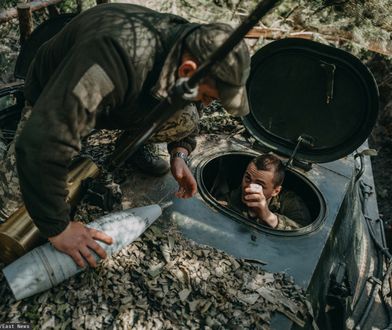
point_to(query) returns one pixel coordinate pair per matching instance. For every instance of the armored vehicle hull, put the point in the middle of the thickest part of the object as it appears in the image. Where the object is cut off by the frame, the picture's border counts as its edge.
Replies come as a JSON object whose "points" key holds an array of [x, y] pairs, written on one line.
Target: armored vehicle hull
{"points": [[334, 258]]}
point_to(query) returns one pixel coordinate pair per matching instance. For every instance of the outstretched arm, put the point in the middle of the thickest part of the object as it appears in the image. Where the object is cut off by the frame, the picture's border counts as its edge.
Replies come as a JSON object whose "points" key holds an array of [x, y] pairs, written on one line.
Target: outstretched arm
{"points": [[182, 174]]}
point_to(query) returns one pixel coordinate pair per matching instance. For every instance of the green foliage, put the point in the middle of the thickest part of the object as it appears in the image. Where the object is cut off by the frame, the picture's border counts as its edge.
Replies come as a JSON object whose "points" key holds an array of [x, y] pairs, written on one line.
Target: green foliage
{"points": [[4, 4], [364, 22], [9, 49], [378, 12], [67, 6], [71, 6]]}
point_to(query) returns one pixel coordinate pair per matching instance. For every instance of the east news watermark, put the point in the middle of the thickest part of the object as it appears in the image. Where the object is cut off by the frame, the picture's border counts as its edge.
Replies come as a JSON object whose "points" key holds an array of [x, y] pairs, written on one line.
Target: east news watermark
{"points": [[15, 326]]}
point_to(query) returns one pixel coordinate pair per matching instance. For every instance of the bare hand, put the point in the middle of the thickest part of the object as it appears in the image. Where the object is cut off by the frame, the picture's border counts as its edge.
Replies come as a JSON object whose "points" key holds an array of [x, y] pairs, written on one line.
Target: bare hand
{"points": [[77, 240], [256, 201], [255, 198], [183, 175]]}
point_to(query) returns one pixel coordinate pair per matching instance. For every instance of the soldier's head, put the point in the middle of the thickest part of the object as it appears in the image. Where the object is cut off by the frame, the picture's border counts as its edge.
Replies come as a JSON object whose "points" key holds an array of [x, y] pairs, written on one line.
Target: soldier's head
{"points": [[267, 171], [227, 79]]}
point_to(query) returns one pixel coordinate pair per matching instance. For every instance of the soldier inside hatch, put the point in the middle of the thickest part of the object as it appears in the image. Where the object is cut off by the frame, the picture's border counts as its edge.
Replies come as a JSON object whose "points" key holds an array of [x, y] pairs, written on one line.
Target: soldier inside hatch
{"points": [[108, 68], [261, 198]]}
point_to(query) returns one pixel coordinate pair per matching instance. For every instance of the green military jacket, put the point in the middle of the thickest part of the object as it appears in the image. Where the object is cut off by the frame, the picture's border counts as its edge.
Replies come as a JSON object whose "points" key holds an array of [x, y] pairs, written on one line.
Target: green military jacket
{"points": [[107, 68], [290, 209]]}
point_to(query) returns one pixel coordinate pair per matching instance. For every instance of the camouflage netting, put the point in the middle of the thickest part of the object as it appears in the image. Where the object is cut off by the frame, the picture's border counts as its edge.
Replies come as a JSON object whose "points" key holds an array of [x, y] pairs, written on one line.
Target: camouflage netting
{"points": [[356, 26], [162, 281], [9, 50], [353, 25]]}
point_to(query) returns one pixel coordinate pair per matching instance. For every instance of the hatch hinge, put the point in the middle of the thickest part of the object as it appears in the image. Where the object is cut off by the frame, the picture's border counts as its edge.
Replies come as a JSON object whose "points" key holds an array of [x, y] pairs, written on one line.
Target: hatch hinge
{"points": [[305, 140]]}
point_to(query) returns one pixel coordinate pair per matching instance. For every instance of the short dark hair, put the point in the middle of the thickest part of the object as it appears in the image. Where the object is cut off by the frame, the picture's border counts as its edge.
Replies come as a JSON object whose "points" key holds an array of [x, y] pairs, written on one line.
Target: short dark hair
{"points": [[268, 162]]}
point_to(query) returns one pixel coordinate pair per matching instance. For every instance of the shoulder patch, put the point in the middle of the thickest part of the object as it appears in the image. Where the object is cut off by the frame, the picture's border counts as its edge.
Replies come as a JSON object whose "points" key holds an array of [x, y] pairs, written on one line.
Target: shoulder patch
{"points": [[94, 85]]}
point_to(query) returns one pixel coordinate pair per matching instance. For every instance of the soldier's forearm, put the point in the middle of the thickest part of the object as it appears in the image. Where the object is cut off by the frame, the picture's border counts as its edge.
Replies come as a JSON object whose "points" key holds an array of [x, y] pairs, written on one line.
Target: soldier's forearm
{"points": [[269, 218]]}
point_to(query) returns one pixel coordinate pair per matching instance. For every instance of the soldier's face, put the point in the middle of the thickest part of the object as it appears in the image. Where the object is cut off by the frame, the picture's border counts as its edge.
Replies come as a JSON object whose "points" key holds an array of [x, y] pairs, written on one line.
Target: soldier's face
{"points": [[262, 178], [207, 91]]}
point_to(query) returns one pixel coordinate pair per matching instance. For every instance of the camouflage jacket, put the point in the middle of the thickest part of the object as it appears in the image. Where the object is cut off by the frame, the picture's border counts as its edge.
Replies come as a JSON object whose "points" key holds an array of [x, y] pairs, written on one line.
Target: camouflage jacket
{"points": [[105, 69], [290, 209]]}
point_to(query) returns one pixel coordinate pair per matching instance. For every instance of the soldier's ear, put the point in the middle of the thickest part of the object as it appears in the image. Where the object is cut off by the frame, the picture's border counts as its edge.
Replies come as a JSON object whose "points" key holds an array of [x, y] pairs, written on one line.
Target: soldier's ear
{"points": [[276, 191], [187, 68]]}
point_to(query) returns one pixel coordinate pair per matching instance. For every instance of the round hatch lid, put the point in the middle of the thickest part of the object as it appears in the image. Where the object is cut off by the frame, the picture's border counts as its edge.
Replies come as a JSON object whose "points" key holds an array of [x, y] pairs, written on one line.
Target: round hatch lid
{"points": [[302, 88]]}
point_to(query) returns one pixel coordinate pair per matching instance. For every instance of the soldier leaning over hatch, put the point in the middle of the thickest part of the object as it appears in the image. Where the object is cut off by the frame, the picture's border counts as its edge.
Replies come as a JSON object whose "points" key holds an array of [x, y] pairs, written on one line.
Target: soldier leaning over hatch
{"points": [[106, 69]]}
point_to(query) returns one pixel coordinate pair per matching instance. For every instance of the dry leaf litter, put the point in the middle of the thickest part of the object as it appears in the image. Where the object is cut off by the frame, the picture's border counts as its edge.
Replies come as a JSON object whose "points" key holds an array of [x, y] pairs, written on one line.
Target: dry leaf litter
{"points": [[162, 281]]}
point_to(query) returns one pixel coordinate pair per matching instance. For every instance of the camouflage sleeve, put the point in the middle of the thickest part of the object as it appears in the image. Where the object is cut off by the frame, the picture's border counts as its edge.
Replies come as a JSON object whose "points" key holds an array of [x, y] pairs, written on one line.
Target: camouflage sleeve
{"points": [[63, 113], [293, 212], [189, 143], [190, 121], [285, 223]]}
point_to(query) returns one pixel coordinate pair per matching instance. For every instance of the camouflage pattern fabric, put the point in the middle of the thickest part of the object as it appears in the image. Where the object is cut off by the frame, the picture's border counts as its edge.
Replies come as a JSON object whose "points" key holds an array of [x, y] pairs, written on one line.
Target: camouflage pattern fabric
{"points": [[291, 210], [182, 125], [178, 131], [178, 126], [10, 195]]}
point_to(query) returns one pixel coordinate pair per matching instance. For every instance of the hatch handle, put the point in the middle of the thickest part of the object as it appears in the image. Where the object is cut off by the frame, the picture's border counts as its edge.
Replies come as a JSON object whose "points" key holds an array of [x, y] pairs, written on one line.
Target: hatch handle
{"points": [[303, 139], [329, 69]]}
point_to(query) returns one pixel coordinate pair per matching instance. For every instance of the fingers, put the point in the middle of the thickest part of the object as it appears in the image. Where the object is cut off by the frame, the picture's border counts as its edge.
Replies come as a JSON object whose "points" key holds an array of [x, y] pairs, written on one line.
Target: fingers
{"points": [[86, 253], [253, 197], [90, 243], [100, 236], [186, 192], [191, 186], [77, 240], [181, 193], [193, 189], [254, 191], [182, 174], [97, 249], [252, 204], [77, 258], [187, 186]]}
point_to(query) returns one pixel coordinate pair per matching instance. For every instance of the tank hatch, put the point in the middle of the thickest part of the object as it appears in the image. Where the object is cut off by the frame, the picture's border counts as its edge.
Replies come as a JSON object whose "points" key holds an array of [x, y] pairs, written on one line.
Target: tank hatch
{"points": [[301, 90]]}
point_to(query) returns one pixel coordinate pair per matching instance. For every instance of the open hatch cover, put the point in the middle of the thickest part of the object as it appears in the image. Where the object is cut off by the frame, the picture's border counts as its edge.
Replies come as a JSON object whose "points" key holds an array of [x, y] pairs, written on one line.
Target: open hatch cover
{"points": [[302, 88]]}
